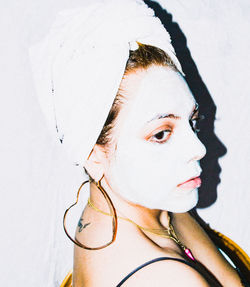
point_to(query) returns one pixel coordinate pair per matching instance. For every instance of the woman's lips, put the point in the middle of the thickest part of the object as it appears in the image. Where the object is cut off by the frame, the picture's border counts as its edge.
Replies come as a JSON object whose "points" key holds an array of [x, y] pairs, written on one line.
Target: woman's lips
{"points": [[191, 183]]}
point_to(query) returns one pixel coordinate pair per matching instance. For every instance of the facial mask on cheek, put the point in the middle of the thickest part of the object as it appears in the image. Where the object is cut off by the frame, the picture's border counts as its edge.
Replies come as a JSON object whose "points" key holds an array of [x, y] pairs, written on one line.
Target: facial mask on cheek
{"points": [[147, 175]]}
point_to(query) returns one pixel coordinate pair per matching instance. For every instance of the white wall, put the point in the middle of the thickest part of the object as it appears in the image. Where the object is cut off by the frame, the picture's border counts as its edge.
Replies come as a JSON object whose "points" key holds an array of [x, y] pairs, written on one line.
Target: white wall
{"points": [[218, 37], [34, 171]]}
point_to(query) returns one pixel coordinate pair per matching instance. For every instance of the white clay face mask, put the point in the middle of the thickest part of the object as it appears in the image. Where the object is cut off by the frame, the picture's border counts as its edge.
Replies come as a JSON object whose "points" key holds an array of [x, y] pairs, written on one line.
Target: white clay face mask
{"points": [[154, 154]]}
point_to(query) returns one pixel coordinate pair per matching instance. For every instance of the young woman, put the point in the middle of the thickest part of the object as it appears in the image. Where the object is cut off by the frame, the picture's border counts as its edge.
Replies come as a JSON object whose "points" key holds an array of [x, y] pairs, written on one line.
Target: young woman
{"points": [[147, 161], [122, 109]]}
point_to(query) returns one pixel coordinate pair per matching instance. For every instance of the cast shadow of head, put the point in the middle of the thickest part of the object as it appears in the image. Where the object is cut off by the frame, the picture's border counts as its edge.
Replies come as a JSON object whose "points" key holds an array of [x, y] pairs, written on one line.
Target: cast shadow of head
{"points": [[215, 149]]}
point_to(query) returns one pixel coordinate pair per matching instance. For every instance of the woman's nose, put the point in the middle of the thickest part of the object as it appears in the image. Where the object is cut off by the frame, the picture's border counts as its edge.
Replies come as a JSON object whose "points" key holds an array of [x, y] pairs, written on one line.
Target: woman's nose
{"points": [[196, 149]]}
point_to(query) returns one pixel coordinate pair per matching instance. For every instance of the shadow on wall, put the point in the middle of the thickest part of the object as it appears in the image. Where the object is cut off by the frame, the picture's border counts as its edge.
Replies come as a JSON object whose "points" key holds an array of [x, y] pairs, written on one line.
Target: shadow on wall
{"points": [[215, 148]]}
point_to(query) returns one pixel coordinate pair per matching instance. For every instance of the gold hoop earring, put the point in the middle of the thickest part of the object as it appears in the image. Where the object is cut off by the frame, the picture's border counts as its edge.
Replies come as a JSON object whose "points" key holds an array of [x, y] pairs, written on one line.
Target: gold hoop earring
{"points": [[111, 207]]}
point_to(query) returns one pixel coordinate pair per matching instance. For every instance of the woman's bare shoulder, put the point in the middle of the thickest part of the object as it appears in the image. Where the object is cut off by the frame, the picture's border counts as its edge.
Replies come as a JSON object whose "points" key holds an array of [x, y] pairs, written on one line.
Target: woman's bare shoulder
{"points": [[204, 249], [167, 273]]}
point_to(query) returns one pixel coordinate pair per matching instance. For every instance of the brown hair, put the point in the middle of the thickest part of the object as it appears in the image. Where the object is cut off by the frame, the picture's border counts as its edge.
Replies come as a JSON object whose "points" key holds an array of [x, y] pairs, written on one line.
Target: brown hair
{"points": [[142, 58]]}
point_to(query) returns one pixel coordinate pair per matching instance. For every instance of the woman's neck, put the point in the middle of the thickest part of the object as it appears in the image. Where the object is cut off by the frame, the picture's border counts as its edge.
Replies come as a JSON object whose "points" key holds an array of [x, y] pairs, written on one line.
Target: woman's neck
{"points": [[149, 218]]}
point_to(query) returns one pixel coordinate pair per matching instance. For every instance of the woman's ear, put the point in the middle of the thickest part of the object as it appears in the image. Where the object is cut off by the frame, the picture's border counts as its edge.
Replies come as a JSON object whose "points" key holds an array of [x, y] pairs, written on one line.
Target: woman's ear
{"points": [[95, 164]]}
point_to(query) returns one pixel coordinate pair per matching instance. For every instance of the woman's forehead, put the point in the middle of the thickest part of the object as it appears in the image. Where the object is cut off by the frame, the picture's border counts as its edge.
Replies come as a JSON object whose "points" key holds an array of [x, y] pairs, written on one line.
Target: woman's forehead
{"points": [[158, 90]]}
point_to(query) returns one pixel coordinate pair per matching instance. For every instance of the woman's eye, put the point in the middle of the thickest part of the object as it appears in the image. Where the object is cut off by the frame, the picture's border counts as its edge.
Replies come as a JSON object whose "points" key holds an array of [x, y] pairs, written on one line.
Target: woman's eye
{"points": [[194, 123], [161, 136]]}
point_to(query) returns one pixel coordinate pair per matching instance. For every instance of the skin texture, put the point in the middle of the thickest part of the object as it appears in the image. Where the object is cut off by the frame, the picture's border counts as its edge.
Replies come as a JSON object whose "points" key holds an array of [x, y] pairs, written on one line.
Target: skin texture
{"points": [[142, 169], [146, 169]]}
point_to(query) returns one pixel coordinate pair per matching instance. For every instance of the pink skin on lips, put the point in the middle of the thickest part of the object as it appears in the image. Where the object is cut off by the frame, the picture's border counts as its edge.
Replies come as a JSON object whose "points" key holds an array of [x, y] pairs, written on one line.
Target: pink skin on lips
{"points": [[192, 183]]}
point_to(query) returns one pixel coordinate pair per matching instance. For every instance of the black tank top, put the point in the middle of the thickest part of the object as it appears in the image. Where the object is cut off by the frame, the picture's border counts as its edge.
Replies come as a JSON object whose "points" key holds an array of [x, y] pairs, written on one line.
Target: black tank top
{"points": [[207, 275]]}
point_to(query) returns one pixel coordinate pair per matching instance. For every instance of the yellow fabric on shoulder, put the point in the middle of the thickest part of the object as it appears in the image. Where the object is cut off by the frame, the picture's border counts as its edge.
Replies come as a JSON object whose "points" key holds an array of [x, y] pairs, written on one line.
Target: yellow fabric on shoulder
{"points": [[67, 282]]}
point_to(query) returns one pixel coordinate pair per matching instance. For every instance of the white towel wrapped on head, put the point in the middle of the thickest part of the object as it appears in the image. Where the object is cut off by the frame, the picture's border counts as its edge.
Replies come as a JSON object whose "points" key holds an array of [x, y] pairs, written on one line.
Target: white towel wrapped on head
{"points": [[78, 67]]}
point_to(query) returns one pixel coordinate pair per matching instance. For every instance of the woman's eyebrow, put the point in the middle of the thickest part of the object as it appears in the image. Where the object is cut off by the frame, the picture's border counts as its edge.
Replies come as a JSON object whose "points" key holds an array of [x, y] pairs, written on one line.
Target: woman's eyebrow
{"points": [[163, 116], [172, 116], [195, 110]]}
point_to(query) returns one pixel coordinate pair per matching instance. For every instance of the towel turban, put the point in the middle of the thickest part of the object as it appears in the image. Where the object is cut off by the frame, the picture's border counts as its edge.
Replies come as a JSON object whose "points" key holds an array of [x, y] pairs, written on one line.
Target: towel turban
{"points": [[79, 65]]}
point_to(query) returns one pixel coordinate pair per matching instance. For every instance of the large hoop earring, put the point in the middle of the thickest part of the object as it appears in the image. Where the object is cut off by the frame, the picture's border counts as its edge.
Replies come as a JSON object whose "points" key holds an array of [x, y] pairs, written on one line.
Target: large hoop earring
{"points": [[111, 207]]}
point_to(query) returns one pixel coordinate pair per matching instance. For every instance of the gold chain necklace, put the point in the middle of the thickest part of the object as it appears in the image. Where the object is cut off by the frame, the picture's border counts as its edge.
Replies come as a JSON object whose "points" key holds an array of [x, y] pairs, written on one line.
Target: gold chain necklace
{"points": [[160, 232]]}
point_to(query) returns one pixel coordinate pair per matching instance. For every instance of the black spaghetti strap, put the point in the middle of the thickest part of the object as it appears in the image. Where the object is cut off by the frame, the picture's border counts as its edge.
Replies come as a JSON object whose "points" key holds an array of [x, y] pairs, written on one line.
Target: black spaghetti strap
{"points": [[191, 264], [150, 262]]}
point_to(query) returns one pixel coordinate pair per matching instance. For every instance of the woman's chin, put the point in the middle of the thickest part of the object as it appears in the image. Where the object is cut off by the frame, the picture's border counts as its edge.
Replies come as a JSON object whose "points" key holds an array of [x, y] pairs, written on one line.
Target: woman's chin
{"points": [[185, 202], [177, 202]]}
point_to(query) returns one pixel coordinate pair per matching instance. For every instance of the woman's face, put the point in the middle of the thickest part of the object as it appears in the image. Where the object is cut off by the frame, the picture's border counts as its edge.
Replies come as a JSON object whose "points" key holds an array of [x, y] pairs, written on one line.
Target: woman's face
{"points": [[156, 148]]}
